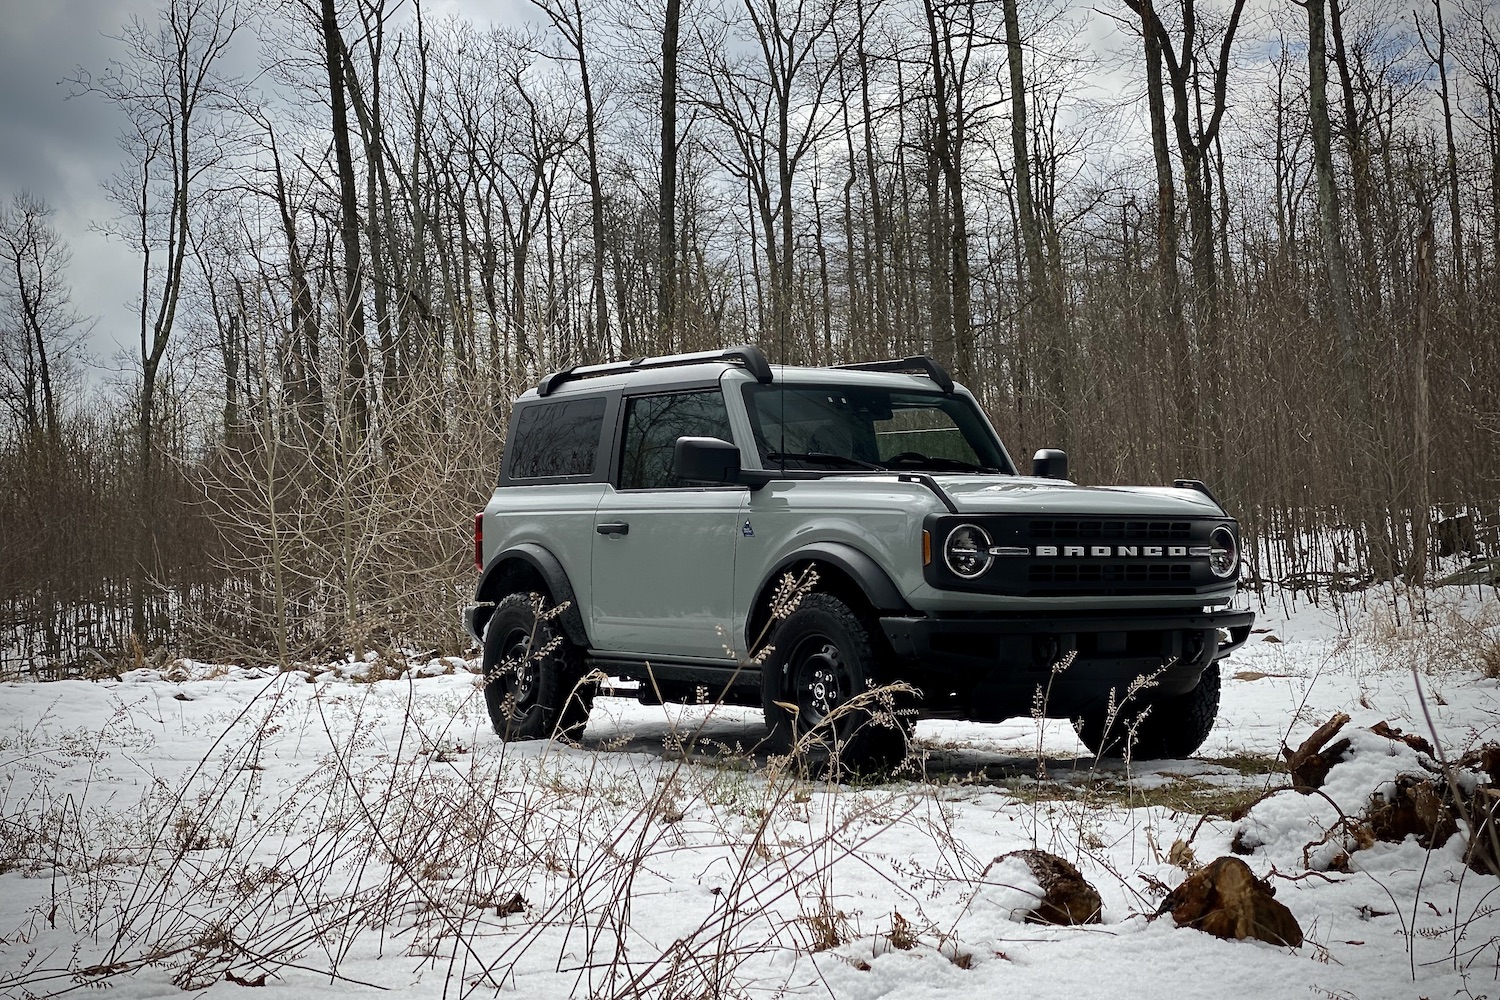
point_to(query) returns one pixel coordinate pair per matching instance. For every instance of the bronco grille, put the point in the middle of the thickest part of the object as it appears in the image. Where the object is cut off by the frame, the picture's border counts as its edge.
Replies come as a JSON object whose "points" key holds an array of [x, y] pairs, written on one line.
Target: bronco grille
{"points": [[1125, 531], [1083, 555], [1068, 573]]}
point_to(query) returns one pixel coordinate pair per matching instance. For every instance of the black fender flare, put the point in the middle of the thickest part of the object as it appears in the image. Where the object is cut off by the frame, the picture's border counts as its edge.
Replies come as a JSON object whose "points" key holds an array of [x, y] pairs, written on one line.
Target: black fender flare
{"points": [[509, 567], [873, 581]]}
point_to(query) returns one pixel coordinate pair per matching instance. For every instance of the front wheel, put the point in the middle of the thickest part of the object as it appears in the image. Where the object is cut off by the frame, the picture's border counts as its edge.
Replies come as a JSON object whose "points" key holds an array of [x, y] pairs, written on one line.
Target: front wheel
{"points": [[822, 695], [533, 676], [1174, 727]]}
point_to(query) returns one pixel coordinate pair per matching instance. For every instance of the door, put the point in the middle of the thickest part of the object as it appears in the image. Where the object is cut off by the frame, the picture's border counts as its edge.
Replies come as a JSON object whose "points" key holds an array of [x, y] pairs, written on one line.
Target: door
{"points": [[663, 576]]}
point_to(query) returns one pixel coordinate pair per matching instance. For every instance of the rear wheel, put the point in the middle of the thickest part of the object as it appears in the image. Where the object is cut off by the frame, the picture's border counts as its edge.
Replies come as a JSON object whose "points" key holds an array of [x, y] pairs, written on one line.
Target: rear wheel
{"points": [[1176, 726], [822, 693], [533, 675]]}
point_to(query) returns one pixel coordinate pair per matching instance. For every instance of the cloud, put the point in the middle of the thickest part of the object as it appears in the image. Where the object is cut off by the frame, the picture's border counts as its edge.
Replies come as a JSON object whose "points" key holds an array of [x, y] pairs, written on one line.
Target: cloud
{"points": [[61, 149]]}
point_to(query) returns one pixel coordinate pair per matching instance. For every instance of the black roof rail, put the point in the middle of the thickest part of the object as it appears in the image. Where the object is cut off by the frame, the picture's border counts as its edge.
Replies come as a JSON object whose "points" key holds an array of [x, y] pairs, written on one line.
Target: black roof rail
{"points": [[917, 364], [748, 355]]}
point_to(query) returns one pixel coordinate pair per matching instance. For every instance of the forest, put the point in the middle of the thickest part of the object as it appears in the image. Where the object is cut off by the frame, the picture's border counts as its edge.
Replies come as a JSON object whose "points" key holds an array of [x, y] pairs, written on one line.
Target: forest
{"points": [[1253, 244]]}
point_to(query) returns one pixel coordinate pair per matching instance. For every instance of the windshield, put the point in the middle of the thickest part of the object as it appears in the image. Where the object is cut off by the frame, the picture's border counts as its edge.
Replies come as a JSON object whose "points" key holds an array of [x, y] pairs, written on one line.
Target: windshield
{"points": [[852, 428]]}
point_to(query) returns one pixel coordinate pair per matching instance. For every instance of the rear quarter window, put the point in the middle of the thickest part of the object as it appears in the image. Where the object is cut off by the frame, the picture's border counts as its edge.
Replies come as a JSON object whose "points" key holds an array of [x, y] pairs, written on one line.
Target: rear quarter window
{"points": [[556, 439]]}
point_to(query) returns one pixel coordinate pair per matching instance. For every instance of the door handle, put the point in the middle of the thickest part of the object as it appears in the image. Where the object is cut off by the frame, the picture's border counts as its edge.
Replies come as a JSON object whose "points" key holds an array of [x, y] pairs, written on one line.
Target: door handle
{"points": [[614, 528]]}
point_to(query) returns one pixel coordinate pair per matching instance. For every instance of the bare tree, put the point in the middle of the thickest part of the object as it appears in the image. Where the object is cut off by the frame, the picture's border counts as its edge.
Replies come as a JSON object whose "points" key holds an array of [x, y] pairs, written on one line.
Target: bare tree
{"points": [[770, 102], [1439, 59], [956, 38], [1194, 135], [666, 295], [352, 305], [179, 111], [40, 331], [568, 18]]}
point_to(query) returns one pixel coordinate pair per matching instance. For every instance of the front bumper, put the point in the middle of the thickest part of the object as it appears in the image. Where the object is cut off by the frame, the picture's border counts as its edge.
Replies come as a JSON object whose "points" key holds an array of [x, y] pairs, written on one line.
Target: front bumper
{"points": [[995, 662]]}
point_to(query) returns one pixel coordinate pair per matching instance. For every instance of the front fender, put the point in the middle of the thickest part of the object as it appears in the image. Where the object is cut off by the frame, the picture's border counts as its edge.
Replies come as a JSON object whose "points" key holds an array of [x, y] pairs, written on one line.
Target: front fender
{"points": [[859, 567], [866, 574]]}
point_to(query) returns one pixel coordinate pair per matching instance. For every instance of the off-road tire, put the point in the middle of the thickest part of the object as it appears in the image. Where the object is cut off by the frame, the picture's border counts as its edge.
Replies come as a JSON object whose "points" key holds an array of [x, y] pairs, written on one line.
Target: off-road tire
{"points": [[1176, 726], [822, 658], [533, 675]]}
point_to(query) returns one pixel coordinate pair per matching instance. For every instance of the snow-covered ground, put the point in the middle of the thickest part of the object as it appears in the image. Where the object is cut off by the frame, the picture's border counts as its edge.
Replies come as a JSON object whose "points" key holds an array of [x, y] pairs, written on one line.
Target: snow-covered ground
{"points": [[208, 828]]}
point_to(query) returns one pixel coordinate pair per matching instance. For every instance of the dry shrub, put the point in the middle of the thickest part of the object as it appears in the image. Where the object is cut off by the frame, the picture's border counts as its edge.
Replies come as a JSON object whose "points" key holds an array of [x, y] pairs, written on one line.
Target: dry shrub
{"points": [[1487, 653], [1436, 636], [222, 876]]}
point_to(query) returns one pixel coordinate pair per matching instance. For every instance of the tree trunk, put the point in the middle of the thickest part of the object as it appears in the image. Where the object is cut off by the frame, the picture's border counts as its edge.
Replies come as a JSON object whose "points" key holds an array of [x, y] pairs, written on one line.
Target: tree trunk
{"points": [[1421, 432], [1179, 345], [596, 190], [1359, 162], [352, 308], [948, 87], [1336, 271], [1450, 164], [1036, 294], [666, 289], [878, 223]]}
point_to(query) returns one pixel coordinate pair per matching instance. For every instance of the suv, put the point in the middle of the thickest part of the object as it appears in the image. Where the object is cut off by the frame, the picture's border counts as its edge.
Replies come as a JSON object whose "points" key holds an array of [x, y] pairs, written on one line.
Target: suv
{"points": [[846, 547]]}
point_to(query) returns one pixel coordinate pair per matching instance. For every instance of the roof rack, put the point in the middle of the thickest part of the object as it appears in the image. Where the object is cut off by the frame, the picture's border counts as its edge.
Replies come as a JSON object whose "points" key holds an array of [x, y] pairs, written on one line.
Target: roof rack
{"points": [[917, 364], [746, 354]]}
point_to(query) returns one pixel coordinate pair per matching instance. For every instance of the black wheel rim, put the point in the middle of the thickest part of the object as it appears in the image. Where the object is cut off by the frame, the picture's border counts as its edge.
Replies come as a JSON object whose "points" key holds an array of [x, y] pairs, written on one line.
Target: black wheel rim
{"points": [[819, 680], [518, 671]]}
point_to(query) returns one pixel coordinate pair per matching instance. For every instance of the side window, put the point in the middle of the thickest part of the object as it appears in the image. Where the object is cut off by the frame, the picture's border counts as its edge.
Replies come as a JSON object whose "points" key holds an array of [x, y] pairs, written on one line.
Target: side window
{"points": [[557, 439], [652, 426]]}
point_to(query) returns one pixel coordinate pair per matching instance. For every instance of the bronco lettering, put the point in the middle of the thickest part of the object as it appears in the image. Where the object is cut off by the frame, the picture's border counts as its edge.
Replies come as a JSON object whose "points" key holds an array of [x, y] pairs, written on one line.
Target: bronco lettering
{"points": [[1108, 551]]}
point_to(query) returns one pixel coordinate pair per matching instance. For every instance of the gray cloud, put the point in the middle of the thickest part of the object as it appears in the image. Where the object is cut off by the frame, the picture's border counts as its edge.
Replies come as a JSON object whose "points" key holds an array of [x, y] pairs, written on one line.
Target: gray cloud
{"points": [[61, 149]]}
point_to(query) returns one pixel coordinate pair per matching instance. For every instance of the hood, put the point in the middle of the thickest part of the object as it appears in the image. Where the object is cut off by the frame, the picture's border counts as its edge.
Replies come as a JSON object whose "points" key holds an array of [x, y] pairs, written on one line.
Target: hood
{"points": [[1028, 495]]}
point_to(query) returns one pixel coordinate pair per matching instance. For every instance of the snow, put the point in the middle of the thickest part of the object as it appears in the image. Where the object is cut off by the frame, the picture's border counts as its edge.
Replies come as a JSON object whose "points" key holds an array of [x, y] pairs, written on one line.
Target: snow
{"points": [[350, 829]]}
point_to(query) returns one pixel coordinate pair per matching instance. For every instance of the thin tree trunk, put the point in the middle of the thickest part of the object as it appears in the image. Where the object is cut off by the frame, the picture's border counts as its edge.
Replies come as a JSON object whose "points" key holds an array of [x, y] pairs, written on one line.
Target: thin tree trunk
{"points": [[878, 222], [1421, 432], [352, 308], [1336, 270], [1179, 346], [1036, 293], [1450, 164], [666, 290], [1359, 161]]}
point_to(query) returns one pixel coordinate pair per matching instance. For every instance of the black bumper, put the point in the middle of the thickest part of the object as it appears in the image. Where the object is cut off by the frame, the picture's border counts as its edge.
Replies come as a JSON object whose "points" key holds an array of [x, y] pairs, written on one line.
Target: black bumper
{"points": [[995, 660]]}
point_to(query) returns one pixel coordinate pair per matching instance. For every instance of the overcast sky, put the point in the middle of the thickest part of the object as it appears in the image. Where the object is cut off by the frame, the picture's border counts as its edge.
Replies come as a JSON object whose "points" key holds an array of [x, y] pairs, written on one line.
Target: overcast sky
{"points": [[61, 149]]}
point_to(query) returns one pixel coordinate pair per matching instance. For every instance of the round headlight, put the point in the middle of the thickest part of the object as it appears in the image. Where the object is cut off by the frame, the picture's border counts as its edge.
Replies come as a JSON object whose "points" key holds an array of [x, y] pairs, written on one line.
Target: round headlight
{"points": [[1223, 552], [967, 551]]}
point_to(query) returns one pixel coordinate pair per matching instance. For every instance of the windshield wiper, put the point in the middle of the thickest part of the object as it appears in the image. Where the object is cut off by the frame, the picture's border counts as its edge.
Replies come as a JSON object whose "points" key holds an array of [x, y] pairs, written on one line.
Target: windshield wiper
{"points": [[826, 459]]}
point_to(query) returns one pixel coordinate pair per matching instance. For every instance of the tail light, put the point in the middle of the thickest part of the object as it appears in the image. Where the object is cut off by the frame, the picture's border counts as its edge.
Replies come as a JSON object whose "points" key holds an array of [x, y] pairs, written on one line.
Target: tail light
{"points": [[479, 541]]}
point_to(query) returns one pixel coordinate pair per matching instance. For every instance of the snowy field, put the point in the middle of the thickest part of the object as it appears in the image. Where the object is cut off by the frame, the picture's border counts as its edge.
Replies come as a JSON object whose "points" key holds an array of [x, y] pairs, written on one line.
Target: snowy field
{"points": [[332, 833]]}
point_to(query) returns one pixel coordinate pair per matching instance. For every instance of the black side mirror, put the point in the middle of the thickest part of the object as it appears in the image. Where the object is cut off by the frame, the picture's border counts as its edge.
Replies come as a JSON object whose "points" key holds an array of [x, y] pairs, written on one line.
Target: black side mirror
{"points": [[706, 460], [1050, 463]]}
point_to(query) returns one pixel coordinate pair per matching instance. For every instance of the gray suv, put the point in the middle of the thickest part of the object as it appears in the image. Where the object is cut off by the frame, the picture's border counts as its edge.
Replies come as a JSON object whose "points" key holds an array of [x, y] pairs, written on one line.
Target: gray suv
{"points": [[848, 548]]}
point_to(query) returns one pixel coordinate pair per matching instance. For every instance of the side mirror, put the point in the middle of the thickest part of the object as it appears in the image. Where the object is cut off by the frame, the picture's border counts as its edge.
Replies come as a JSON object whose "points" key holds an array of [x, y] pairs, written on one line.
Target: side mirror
{"points": [[706, 460], [1050, 463]]}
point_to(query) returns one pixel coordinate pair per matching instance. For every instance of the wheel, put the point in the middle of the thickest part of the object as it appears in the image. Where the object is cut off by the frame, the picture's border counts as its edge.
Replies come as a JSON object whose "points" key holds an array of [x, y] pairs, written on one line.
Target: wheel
{"points": [[1175, 727], [533, 676], [822, 696]]}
